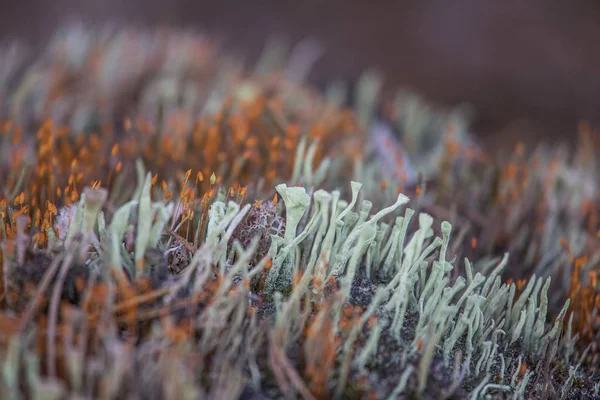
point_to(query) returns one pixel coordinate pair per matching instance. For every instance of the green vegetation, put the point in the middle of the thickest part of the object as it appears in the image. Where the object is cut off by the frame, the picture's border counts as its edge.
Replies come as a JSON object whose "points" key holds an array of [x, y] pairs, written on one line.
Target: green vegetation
{"points": [[176, 226]]}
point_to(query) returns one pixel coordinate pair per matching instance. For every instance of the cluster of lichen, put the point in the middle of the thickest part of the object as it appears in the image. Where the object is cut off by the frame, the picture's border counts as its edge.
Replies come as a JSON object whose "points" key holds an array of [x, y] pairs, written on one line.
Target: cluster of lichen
{"points": [[176, 226]]}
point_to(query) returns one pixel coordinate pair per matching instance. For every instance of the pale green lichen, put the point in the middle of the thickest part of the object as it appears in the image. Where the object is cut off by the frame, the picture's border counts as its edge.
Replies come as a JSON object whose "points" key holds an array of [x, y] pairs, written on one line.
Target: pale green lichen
{"points": [[484, 336], [469, 322]]}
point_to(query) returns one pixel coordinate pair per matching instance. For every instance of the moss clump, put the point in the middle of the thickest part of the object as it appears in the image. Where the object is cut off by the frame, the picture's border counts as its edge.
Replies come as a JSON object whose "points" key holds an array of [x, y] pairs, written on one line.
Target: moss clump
{"points": [[211, 238]]}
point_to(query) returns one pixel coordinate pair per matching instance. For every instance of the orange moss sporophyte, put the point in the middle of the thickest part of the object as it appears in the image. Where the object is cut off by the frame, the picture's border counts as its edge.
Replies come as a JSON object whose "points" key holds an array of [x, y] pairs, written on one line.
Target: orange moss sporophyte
{"points": [[200, 295], [584, 292]]}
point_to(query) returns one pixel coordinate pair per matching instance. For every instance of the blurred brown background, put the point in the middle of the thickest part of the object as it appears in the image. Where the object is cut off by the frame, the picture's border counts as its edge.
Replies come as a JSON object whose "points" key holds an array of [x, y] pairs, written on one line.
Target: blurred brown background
{"points": [[527, 66]]}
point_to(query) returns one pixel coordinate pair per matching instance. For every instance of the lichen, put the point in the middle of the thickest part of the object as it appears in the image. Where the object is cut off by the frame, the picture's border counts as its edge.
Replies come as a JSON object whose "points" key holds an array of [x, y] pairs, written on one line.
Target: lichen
{"points": [[233, 237]]}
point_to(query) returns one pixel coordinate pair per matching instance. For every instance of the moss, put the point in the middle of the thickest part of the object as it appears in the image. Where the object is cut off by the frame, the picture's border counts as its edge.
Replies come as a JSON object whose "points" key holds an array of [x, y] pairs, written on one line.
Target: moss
{"points": [[261, 189]]}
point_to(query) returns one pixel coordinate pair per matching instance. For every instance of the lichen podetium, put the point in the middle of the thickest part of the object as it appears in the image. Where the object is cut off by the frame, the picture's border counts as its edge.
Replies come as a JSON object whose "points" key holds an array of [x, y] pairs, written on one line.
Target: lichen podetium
{"points": [[173, 225]]}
